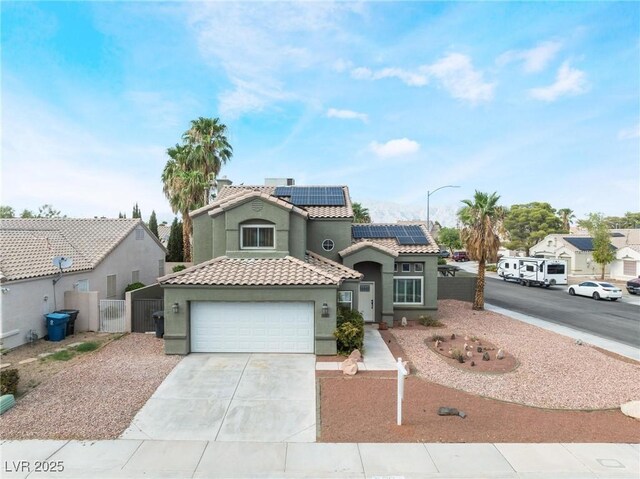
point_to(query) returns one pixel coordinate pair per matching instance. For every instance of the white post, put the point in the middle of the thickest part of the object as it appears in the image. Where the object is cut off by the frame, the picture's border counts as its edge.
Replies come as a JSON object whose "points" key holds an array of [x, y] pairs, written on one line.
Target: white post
{"points": [[402, 372]]}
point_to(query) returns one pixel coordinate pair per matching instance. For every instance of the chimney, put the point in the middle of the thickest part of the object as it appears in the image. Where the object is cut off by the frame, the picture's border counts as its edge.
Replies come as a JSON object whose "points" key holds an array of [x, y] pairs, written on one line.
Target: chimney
{"points": [[221, 183], [279, 182]]}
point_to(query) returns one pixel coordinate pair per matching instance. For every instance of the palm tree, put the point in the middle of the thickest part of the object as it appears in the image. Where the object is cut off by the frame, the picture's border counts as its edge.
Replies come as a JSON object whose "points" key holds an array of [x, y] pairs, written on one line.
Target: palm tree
{"points": [[360, 214], [209, 148], [566, 215], [183, 186], [481, 218]]}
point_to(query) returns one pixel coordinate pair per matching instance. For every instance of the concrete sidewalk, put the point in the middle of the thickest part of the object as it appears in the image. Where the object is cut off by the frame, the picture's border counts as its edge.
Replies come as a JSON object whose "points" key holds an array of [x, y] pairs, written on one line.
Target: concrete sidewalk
{"points": [[122, 458], [377, 356]]}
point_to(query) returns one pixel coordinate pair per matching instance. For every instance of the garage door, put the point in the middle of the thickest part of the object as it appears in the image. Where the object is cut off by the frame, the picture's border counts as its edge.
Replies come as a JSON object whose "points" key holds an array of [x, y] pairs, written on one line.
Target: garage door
{"points": [[274, 327]]}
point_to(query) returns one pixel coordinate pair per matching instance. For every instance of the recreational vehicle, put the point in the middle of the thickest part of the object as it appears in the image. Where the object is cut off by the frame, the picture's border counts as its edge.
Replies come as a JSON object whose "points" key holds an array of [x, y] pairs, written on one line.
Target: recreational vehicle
{"points": [[533, 271]]}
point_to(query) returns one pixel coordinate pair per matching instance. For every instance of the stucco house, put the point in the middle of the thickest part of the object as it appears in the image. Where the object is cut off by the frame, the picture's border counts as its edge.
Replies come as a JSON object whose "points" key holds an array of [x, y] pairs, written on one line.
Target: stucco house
{"points": [[107, 255], [273, 263]]}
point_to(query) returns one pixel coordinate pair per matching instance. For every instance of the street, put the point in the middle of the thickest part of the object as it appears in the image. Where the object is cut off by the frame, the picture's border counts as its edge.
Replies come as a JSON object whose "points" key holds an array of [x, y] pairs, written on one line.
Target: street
{"points": [[617, 321]]}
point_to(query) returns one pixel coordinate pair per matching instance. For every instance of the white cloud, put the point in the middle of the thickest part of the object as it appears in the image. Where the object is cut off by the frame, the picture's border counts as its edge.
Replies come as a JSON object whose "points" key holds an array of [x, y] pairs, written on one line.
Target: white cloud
{"points": [[454, 72], [569, 81], [534, 59], [629, 133], [458, 77], [347, 115], [341, 65], [394, 148]]}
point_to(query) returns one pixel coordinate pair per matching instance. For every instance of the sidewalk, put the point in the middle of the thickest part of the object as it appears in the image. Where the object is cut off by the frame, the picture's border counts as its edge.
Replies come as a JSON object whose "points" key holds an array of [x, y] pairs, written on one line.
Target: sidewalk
{"points": [[377, 356], [123, 458]]}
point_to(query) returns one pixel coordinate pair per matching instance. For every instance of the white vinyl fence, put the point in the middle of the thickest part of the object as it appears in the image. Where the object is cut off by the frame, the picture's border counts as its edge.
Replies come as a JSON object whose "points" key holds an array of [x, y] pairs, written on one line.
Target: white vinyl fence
{"points": [[112, 315]]}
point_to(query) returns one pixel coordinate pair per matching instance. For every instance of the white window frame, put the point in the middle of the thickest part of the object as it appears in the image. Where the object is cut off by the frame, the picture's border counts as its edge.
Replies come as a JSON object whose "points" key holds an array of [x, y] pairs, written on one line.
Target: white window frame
{"points": [[402, 278], [418, 267], [350, 294], [408, 267], [82, 285], [395, 267], [242, 246], [333, 244]]}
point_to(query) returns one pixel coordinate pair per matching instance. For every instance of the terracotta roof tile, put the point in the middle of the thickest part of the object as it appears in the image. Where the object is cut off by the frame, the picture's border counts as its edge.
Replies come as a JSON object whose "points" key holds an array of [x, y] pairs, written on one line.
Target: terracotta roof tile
{"points": [[332, 267], [368, 244], [224, 271], [27, 245]]}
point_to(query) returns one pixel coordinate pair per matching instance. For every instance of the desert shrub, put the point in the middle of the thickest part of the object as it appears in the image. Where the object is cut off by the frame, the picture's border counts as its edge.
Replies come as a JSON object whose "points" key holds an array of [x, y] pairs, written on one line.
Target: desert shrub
{"points": [[429, 322], [62, 355], [350, 330], [132, 286], [436, 337], [457, 354], [9, 381], [178, 267], [441, 261], [491, 267], [86, 347]]}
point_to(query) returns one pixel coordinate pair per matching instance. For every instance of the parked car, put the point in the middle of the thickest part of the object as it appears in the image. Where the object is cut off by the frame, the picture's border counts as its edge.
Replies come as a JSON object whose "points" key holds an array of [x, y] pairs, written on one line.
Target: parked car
{"points": [[444, 253], [460, 256], [596, 290], [633, 286]]}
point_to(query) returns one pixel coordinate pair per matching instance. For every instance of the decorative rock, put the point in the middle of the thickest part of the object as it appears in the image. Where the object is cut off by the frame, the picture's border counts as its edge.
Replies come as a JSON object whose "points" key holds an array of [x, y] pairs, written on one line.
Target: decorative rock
{"points": [[461, 359], [466, 347], [473, 363], [44, 355], [349, 367], [4, 365], [466, 338], [355, 354], [579, 342], [485, 356], [500, 354], [479, 349], [631, 409], [27, 361], [469, 354], [453, 335], [403, 321], [450, 411]]}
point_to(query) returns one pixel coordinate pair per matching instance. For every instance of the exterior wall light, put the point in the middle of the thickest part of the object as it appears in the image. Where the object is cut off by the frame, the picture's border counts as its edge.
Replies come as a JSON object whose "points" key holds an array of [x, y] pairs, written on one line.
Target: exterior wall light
{"points": [[176, 308], [325, 310]]}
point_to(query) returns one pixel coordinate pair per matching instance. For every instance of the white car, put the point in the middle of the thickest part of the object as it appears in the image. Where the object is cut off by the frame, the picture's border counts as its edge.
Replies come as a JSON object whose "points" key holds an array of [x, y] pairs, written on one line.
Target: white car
{"points": [[596, 290]]}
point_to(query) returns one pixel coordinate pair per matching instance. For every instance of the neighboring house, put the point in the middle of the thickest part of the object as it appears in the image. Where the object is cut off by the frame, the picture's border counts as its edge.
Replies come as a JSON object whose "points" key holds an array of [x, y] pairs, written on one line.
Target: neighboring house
{"points": [[627, 263], [107, 255], [163, 233], [273, 263], [576, 250]]}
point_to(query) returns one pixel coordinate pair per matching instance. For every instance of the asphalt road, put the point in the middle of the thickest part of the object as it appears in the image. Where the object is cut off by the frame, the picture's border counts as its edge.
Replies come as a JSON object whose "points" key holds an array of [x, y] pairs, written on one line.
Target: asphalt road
{"points": [[612, 320]]}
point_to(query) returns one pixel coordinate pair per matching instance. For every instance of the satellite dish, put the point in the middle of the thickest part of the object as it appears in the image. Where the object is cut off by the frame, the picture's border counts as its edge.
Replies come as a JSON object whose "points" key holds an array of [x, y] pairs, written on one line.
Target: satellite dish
{"points": [[62, 262]]}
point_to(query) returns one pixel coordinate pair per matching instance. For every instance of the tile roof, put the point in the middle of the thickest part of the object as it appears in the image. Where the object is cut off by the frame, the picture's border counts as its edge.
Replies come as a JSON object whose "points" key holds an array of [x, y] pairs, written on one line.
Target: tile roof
{"points": [[287, 271], [27, 245], [232, 193], [242, 196], [365, 243], [393, 245], [163, 232]]}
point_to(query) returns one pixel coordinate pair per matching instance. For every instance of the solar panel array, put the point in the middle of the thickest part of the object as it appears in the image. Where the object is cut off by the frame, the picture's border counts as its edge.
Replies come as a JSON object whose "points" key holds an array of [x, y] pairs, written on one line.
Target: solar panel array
{"points": [[584, 244], [312, 195], [404, 234]]}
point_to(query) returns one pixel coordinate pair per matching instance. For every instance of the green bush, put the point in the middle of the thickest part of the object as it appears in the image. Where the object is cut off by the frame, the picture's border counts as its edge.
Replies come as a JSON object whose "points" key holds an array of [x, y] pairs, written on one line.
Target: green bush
{"points": [[429, 322], [441, 261], [132, 286], [86, 347], [491, 267], [9, 381], [178, 267], [350, 331]]}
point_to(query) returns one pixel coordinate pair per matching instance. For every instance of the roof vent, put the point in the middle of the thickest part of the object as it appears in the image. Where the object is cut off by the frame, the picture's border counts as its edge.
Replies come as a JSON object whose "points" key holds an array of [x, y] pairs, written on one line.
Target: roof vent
{"points": [[279, 182]]}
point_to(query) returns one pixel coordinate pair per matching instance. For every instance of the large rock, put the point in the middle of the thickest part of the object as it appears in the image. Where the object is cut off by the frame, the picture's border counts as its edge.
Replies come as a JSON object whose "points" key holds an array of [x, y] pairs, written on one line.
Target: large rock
{"points": [[349, 367], [485, 356], [500, 354], [631, 409], [355, 354]]}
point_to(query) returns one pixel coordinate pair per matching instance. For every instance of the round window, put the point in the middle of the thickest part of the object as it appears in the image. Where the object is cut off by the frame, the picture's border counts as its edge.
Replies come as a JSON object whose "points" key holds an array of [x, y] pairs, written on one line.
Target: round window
{"points": [[328, 245]]}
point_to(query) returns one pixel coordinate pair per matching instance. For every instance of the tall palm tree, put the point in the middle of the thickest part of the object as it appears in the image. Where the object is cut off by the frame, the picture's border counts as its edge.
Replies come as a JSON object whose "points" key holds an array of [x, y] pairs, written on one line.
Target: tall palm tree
{"points": [[183, 186], [481, 218], [566, 215], [360, 214], [209, 148]]}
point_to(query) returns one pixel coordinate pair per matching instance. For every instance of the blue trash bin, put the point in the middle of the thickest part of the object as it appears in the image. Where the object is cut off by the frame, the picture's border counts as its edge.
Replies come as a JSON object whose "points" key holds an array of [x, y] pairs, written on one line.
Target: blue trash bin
{"points": [[57, 326]]}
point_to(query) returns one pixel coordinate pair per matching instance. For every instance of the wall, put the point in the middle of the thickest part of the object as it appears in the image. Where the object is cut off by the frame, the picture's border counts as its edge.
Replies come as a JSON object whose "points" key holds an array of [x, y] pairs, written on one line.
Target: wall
{"points": [[338, 230], [462, 287], [23, 306], [617, 267], [177, 327], [203, 246]]}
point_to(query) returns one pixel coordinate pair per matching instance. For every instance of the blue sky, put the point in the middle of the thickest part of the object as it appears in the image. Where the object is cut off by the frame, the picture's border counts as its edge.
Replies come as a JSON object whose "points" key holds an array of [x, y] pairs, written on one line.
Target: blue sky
{"points": [[537, 101]]}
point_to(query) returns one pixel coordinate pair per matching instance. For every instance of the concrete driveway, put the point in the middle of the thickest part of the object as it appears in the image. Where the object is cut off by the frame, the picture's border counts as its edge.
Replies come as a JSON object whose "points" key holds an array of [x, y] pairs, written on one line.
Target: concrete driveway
{"points": [[233, 397]]}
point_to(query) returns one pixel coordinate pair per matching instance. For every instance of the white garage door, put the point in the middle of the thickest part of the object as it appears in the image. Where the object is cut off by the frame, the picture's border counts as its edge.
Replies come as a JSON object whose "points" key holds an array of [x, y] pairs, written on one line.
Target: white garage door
{"points": [[278, 327]]}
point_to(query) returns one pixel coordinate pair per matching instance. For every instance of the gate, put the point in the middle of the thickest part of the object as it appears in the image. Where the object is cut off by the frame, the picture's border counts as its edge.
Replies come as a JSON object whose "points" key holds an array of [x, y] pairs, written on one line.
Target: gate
{"points": [[112, 316], [141, 320]]}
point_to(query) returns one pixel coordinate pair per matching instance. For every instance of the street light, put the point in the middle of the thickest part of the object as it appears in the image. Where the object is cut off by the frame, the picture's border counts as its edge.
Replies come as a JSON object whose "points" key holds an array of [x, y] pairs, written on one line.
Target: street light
{"points": [[429, 193]]}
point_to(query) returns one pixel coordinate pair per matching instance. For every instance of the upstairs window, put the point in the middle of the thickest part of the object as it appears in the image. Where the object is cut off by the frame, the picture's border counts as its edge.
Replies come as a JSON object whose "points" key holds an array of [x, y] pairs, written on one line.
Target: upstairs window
{"points": [[257, 237]]}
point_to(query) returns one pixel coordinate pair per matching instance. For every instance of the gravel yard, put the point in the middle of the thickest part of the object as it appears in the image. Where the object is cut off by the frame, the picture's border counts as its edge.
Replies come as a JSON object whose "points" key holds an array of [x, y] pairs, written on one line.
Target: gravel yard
{"points": [[96, 398], [554, 372]]}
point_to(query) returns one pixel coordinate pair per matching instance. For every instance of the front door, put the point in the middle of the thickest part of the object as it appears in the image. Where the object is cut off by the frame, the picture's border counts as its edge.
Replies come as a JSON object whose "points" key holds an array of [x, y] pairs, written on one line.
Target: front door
{"points": [[367, 301]]}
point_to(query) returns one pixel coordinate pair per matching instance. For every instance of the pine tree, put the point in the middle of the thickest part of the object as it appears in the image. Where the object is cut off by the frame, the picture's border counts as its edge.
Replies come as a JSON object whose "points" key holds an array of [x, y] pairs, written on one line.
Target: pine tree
{"points": [[122, 215], [136, 212], [153, 224], [174, 245]]}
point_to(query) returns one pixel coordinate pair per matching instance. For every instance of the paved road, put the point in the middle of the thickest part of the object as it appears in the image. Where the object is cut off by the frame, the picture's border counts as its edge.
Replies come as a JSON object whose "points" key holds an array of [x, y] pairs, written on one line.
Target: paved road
{"points": [[616, 321]]}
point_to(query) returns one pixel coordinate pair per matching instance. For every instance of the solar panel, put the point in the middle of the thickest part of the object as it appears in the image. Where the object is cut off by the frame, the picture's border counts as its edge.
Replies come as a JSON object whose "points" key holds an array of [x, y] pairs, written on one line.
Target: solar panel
{"points": [[404, 234], [312, 195], [584, 244]]}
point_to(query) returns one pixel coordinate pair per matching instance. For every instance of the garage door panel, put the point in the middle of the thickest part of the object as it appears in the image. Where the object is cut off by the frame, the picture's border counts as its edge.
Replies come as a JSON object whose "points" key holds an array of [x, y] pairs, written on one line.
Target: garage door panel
{"points": [[252, 327]]}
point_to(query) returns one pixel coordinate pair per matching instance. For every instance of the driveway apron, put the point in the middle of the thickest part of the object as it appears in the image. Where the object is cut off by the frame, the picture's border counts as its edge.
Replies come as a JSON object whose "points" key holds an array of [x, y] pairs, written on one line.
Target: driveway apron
{"points": [[233, 397]]}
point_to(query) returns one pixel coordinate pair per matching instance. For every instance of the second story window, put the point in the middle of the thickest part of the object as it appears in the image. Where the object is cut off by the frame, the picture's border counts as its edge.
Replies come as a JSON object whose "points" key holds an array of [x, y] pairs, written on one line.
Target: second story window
{"points": [[257, 237]]}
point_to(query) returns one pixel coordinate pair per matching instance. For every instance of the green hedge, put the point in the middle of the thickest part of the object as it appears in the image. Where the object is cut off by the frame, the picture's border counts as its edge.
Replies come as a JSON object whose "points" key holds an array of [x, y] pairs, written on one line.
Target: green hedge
{"points": [[133, 286], [9, 381], [350, 330]]}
